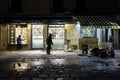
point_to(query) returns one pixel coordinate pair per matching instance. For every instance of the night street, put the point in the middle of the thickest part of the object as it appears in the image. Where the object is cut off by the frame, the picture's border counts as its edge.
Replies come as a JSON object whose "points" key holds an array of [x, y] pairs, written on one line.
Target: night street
{"points": [[60, 40], [37, 65]]}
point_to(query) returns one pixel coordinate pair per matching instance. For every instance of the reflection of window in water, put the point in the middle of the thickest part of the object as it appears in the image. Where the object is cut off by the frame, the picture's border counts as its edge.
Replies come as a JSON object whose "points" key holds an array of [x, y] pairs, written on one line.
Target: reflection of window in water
{"points": [[21, 66]]}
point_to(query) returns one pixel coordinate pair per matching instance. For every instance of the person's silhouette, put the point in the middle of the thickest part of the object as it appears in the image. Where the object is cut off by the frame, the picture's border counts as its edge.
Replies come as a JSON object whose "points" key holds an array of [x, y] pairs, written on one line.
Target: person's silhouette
{"points": [[19, 42], [49, 43]]}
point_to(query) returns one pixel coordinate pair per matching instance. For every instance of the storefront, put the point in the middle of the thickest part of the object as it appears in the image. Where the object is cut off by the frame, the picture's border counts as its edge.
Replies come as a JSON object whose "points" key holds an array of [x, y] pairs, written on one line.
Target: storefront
{"points": [[58, 32], [100, 27], [37, 36], [34, 35], [35, 32], [66, 31], [14, 30], [40, 33]]}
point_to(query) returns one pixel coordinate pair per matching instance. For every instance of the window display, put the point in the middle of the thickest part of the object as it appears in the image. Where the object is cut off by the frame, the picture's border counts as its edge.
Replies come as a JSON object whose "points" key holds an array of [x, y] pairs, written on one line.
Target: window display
{"points": [[86, 33], [37, 36], [23, 33], [12, 35], [57, 36], [15, 31], [58, 33]]}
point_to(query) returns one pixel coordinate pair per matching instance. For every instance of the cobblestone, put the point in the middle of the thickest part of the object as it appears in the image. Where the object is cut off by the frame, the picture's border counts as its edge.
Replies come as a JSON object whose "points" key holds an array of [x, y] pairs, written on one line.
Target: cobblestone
{"points": [[62, 67], [43, 75], [54, 75], [37, 79]]}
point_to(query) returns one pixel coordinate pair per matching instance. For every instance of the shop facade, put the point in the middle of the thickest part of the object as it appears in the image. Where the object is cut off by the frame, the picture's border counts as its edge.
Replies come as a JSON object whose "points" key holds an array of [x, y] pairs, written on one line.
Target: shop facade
{"points": [[100, 27], [66, 32], [34, 34]]}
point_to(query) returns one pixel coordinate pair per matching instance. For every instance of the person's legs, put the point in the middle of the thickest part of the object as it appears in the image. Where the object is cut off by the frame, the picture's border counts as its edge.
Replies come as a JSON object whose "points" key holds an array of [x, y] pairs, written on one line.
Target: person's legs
{"points": [[17, 46], [48, 49], [20, 46]]}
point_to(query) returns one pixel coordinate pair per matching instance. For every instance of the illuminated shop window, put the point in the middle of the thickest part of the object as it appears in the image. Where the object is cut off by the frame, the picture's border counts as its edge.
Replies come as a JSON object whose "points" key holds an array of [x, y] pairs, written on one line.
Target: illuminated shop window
{"points": [[15, 31], [88, 32]]}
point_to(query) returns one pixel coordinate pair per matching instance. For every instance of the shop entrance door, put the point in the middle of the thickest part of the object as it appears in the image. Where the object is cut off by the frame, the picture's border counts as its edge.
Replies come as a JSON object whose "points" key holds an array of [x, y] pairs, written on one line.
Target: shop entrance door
{"points": [[37, 36], [57, 36]]}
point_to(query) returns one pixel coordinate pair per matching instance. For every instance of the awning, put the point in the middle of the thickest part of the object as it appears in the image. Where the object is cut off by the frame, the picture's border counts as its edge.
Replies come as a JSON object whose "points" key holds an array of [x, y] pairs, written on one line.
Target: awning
{"points": [[98, 21]]}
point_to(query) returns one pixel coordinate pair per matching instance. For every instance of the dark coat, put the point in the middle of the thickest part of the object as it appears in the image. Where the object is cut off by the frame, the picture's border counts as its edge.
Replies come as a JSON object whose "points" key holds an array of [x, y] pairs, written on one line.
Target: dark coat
{"points": [[49, 40]]}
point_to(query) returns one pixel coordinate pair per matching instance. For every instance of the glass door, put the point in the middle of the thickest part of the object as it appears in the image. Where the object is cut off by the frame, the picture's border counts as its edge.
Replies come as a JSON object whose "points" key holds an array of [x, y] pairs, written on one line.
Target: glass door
{"points": [[37, 36], [57, 32]]}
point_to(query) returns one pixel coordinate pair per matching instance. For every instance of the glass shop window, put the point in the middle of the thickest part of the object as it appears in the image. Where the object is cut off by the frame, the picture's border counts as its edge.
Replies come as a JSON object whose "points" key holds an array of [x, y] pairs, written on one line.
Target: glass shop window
{"points": [[85, 33], [15, 31]]}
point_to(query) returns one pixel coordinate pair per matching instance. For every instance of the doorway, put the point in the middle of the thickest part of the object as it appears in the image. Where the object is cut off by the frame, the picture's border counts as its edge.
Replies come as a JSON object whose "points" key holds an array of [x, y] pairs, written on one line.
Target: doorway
{"points": [[37, 36], [57, 32]]}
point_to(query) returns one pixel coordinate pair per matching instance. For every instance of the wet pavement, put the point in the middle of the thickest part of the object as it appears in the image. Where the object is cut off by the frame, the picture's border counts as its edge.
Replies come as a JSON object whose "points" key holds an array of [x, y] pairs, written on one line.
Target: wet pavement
{"points": [[60, 65]]}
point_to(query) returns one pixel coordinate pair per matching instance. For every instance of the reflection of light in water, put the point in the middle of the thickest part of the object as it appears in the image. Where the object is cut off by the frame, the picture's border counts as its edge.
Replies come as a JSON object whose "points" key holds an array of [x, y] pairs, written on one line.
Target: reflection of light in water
{"points": [[35, 63], [58, 61], [21, 66]]}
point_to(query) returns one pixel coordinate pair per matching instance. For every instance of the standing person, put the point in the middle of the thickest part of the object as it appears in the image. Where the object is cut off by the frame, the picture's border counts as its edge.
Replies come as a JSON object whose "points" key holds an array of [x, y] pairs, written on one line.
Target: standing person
{"points": [[111, 41], [111, 52], [49, 43], [19, 42]]}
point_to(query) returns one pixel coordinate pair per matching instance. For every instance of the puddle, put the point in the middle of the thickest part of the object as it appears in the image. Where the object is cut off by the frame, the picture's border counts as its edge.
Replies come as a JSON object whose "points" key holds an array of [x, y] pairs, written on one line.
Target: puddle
{"points": [[15, 66], [20, 65]]}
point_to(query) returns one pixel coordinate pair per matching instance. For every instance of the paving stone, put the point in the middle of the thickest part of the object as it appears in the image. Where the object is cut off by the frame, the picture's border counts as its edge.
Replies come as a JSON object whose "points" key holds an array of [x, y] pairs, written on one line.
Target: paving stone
{"points": [[49, 79], [10, 79], [60, 78], [68, 70], [22, 79], [68, 79], [72, 68], [43, 75], [75, 75], [36, 79], [54, 75], [64, 75]]}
